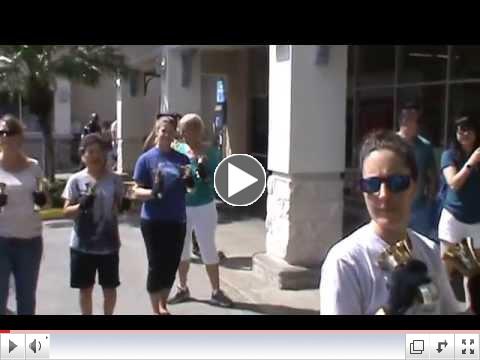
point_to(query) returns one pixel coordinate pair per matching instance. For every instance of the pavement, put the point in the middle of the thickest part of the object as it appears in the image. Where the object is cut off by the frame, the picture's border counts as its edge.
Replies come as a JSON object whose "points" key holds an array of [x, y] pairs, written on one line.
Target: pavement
{"points": [[240, 234]]}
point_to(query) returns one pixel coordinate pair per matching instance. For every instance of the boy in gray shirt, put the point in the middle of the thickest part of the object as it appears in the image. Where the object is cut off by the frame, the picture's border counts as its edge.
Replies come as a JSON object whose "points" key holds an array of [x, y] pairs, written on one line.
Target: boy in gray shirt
{"points": [[93, 199]]}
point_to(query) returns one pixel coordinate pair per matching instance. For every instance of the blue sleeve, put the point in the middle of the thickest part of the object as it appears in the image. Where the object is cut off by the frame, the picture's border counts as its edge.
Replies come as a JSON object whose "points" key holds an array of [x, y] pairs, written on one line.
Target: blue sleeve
{"points": [[448, 159], [141, 175]]}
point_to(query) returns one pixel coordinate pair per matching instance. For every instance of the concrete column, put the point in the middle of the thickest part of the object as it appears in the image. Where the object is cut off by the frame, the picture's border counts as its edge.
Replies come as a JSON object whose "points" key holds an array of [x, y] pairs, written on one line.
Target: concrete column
{"points": [[307, 158], [178, 97], [131, 130], [63, 108]]}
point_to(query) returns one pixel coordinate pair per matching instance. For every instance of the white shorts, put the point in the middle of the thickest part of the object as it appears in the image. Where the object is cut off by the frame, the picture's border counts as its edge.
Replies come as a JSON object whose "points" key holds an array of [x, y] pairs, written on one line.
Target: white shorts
{"points": [[453, 231], [203, 220]]}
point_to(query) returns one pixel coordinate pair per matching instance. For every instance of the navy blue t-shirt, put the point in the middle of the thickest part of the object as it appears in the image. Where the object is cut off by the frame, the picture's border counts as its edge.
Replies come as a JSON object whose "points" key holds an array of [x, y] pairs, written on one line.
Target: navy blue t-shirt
{"points": [[464, 204], [172, 205]]}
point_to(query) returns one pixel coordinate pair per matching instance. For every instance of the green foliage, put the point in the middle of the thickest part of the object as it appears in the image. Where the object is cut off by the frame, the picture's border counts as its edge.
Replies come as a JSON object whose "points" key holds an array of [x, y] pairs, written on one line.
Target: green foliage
{"points": [[56, 190]]}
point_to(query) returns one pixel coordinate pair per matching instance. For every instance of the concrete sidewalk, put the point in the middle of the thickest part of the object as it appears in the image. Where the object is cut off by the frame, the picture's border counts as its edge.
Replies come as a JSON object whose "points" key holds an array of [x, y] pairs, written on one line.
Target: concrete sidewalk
{"points": [[239, 236]]}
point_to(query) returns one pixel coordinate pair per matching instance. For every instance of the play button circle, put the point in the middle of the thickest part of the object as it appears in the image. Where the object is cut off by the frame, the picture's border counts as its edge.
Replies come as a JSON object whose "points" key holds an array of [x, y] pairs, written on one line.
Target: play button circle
{"points": [[240, 180]]}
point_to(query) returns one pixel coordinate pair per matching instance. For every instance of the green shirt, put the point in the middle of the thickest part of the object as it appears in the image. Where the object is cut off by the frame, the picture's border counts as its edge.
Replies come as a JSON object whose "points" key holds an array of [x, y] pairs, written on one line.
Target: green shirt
{"points": [[204, 191]]}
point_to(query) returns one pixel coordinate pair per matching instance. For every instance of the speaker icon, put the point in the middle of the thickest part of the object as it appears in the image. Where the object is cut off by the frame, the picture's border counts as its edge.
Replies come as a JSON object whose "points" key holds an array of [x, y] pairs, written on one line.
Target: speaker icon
{"points": [[35, 346]]}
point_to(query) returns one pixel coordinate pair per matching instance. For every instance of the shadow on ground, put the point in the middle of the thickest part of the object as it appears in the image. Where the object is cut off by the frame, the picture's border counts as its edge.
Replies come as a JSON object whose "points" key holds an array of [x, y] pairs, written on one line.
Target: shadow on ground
{"points": [[237, 263], [266, 309], [59, 224]]}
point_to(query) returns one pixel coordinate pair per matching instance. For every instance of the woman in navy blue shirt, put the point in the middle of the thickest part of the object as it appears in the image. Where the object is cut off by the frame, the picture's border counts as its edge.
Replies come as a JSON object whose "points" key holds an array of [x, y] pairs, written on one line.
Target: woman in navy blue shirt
{"points": [[460, 217], [162, 176]]}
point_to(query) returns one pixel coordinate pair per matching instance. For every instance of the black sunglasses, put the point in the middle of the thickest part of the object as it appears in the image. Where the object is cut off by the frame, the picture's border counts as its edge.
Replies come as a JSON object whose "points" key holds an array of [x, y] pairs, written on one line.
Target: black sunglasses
{"points": [[464, 128], [394, 183]]}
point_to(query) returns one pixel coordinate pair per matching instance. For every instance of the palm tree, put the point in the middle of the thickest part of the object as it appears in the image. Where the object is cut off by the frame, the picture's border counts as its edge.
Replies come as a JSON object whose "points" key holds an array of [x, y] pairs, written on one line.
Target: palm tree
{"points": [[31, 71]]}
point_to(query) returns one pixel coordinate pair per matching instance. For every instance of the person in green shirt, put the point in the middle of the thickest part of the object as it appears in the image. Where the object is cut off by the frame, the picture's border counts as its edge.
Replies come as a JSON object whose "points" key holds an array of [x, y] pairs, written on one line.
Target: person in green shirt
{"points": [[201, 210]]}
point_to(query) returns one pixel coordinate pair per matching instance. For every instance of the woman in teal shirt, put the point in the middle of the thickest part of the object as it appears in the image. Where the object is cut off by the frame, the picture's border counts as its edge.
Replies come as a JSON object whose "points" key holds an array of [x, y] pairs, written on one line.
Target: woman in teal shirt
{"points": [[201, 210]]}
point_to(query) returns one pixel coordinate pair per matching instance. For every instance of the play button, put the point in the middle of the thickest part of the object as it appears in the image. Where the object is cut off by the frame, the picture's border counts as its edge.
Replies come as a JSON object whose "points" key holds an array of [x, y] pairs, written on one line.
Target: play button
{"points": [[11, 346], [240, 180]]}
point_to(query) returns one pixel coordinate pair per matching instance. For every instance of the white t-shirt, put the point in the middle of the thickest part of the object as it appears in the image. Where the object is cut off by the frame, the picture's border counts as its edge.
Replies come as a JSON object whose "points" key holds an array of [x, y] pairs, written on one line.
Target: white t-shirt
{"points": [[353, 283], [18, 219]]}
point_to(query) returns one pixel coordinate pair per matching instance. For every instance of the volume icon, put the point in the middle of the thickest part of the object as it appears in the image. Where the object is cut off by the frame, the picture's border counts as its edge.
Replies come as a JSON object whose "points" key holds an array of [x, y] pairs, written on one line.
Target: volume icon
{"points": [[35, 346]]}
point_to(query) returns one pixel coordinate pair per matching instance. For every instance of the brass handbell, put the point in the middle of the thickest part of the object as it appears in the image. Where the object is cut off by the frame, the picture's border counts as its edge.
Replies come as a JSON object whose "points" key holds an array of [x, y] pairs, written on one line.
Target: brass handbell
{"points": [[399, 254], [395, 255], [463, 257]]}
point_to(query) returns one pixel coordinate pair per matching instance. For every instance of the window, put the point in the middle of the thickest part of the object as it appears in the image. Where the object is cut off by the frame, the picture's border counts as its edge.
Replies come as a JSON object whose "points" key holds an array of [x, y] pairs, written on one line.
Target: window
{"points": [[464, 98], [422, 63], [375, 111], [376, 65], [431, 98], [465, 62], [382, 78]]}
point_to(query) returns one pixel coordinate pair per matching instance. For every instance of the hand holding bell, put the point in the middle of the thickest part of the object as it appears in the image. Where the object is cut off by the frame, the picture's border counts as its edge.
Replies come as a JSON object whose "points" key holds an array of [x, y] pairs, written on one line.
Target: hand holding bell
{"points": [[202, 171], [463, 258], [410, 283], [87, 200], [39, 195], [158, 187], [187, 176]]}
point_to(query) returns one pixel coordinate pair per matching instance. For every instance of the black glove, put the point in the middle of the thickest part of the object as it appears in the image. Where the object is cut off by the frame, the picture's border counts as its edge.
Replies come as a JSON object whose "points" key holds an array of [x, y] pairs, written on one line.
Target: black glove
{"points": [[202, 171], [404, 285], [158, 187], [125, 205], [86, 202], [3, 200], [187, 177], [39, 198], [473, 286]]}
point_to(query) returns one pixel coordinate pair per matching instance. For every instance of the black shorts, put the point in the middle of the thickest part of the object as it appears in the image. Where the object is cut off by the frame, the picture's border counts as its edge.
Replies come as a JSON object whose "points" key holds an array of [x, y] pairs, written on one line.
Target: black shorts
{"points": [[164, 244], [83, 270]]}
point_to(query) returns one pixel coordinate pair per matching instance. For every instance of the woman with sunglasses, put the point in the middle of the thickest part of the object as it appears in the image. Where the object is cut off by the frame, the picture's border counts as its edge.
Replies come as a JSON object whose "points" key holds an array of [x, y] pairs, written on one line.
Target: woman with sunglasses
{"points": [[353, 280], [21, 242], [460, 217]]}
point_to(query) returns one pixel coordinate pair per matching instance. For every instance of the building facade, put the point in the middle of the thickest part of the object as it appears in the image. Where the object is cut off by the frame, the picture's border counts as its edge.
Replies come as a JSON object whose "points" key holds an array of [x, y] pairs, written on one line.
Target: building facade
{"points": [[301, 110]]}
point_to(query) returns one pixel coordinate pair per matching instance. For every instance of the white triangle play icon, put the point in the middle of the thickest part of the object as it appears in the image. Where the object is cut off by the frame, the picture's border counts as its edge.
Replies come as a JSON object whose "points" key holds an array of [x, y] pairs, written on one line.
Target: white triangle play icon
{"points": [[238, 180]]}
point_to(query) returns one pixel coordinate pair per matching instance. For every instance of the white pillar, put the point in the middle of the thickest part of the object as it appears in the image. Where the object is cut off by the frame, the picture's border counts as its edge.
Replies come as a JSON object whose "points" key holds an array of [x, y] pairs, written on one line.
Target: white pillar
{"points": [[63, 108], [130, 130], [178, 97], [307, 158]]}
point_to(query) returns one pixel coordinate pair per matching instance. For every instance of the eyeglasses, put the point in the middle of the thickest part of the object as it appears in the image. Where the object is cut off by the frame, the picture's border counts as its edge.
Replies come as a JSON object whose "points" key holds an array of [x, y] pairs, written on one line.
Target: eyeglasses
{"points": [[394, 183], [8, 133]]}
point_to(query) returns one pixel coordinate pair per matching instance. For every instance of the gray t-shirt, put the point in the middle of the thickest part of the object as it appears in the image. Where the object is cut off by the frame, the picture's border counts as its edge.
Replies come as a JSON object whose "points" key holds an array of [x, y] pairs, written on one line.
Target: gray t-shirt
{"points": [[96, 231]]}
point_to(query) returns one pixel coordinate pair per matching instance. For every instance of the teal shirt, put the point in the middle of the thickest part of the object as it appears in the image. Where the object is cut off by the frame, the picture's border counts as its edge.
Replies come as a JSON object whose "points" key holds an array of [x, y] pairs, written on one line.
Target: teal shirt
{"points": [[425, 162], [204, 191], [464, 203]]}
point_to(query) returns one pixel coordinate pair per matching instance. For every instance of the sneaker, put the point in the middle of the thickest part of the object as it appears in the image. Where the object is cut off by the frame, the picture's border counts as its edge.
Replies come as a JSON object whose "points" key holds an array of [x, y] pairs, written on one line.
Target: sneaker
{"points": [[220, 299], [181, 296]]}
